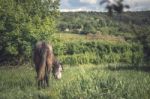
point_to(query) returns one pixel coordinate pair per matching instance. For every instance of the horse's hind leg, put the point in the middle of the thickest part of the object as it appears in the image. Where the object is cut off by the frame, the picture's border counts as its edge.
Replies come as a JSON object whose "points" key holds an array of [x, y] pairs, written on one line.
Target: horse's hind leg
{"points": [[47, 79], [43, 84]]}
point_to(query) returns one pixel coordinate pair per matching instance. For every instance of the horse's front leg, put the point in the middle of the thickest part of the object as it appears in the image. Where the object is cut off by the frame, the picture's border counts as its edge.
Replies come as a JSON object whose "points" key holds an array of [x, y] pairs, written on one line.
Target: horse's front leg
{"points": [[39, 84], [48, 70]]}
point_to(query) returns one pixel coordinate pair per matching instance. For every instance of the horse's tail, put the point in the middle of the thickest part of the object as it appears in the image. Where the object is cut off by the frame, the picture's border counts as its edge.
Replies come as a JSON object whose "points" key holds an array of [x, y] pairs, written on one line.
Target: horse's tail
{"points": [[42, 65]]}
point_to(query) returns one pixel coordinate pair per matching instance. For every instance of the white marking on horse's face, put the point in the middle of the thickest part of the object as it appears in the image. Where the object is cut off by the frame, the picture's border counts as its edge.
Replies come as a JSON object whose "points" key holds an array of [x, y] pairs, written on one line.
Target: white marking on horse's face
{"points": [[58, 74]]}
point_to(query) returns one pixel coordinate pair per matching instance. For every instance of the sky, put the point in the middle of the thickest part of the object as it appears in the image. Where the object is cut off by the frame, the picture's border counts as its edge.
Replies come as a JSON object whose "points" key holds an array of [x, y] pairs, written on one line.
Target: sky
{"points": [[93, 5]]}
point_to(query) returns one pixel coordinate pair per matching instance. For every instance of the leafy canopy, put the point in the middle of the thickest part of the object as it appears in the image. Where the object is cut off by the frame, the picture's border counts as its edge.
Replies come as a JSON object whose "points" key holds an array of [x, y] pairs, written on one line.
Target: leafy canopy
{"points": [[23, 22]]}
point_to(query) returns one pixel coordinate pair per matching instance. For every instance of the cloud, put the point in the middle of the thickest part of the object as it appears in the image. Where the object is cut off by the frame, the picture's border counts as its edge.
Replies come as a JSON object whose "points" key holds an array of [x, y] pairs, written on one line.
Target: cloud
{"points": [[89, 1], [93, 5], [74, 10]]}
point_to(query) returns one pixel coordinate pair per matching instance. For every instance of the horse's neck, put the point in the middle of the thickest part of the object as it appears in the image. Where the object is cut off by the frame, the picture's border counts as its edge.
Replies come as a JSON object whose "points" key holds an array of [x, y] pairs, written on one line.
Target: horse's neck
{"points": [[54, 60]]}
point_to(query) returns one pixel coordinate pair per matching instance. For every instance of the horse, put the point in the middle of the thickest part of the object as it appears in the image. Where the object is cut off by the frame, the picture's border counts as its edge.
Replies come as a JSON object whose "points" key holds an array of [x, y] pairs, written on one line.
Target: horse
{"points": [[45, 62]]}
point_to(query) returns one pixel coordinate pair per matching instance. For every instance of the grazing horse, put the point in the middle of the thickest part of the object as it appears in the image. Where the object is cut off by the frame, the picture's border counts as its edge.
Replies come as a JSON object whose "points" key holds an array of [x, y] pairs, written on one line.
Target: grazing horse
{"points": [[45, 62]]}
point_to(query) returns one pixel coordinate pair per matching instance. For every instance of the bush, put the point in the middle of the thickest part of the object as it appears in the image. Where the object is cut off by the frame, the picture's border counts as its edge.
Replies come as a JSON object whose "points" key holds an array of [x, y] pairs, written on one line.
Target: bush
{"points": [[98, 52]]}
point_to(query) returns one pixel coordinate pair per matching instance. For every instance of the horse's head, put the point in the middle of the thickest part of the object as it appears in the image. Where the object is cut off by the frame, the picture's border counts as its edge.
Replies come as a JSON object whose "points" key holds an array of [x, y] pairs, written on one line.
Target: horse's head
{"points": [[57, 69]]}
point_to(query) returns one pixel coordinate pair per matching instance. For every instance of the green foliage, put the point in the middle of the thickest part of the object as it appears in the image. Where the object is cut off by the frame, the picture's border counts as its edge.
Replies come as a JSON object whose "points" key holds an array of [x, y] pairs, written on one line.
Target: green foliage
{"points": [[132, 26], [144, 39], [88, 28], [23, 22], [98, 52], [89, 21]]}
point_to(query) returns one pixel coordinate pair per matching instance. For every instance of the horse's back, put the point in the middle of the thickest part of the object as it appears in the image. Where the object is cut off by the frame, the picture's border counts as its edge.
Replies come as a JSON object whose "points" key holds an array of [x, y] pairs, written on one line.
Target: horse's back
{"points": [[42, 44], [41, 48], [50, 56]]}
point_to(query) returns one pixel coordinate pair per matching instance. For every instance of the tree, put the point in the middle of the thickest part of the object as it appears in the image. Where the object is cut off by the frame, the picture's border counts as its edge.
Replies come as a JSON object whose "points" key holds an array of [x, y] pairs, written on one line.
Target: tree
{"points": [[114, 5], [23, 22], [88, 28]]}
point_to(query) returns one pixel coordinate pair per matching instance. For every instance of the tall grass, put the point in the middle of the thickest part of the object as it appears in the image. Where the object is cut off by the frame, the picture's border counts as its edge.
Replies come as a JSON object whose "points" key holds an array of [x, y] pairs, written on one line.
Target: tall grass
{"points": [[79, 82]]}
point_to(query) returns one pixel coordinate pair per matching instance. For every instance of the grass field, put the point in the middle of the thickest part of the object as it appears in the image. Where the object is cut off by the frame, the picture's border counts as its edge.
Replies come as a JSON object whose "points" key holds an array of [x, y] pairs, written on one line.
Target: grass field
{"points": [[67, 37], [78, 82]]}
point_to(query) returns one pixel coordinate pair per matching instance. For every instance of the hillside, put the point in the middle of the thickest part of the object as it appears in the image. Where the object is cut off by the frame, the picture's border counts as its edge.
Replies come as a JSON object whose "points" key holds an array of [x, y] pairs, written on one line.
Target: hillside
{"points": [[97, 22], [132, 27]]}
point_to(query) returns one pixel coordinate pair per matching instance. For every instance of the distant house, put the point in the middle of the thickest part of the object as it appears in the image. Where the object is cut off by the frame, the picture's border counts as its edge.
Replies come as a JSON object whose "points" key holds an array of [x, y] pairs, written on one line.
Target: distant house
{"points": [[67, 30], [79, 30]]}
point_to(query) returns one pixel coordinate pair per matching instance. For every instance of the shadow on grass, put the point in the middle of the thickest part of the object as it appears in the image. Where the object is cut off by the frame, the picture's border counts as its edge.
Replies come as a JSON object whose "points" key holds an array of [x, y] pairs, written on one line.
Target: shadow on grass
{"points": [[123, 68]]}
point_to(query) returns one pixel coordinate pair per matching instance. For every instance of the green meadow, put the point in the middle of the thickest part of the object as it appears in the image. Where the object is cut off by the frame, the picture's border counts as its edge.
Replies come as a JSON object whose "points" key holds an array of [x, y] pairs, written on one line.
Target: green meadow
{"points": [[112, 81]]}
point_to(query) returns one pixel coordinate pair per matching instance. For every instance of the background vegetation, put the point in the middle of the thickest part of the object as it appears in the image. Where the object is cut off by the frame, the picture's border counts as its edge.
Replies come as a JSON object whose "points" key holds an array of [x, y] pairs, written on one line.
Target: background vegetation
{"points": [[130, 27], [99, 52], [25, 22]]}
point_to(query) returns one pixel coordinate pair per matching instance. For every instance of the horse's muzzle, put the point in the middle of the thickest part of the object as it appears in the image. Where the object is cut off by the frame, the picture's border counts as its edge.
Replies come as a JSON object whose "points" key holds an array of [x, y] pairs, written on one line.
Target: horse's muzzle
{"points": [[58, 76]]}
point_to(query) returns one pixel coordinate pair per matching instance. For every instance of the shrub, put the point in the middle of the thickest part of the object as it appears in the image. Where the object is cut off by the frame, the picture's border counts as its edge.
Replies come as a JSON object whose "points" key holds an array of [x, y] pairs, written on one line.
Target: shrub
{"points": [[97, 52]]}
